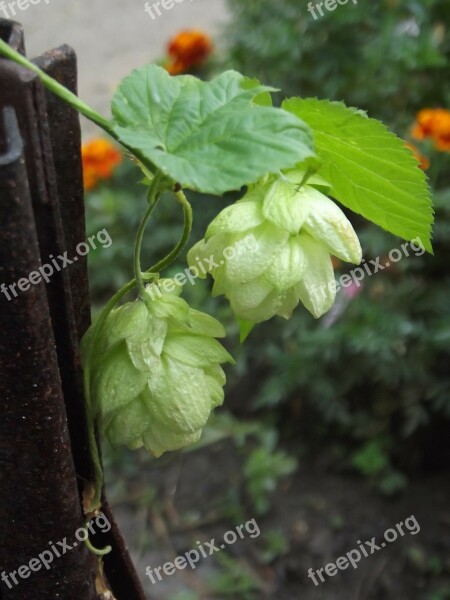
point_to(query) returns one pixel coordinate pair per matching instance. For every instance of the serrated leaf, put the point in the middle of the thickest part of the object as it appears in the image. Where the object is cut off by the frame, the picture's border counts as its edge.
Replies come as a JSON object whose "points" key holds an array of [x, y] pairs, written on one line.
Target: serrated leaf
{"points": [[265, 99], [370, 169], [211, 137]]}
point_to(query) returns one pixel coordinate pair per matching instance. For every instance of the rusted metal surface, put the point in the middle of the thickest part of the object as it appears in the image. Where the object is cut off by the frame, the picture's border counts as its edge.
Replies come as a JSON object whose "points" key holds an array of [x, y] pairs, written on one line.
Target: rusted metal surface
{"points": [[39, 501], [44, 187], [65, 139]]}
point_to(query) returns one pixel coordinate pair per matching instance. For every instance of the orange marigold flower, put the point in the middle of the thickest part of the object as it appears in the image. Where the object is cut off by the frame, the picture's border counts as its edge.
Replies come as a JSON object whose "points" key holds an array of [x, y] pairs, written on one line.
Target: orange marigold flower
{"points": [[424, 161], [90, 177], [441, 130], [423, 126], [188, 49], [443, 143], [433, 124], [100, 158]]}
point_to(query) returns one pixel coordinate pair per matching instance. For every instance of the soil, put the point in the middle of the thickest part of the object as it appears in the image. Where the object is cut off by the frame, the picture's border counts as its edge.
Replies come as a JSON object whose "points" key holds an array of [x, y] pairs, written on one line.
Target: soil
{"points": [[321, 515]]}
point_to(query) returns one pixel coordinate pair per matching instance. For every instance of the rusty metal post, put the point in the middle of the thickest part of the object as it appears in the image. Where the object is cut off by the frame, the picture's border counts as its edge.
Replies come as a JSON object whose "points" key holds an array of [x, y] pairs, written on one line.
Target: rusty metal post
{"points": [[44, 455], [39, 500]]}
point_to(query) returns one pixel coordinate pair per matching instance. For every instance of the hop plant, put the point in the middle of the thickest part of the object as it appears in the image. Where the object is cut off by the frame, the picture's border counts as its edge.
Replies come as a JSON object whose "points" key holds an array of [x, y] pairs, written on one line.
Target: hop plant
{"points": [[295, 228], [152, 369], [156, 372]]}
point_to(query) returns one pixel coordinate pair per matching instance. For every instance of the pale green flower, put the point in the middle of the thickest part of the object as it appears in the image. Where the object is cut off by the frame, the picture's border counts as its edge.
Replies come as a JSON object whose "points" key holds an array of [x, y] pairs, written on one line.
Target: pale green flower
{"points": [[156, 374], [272, 249]]}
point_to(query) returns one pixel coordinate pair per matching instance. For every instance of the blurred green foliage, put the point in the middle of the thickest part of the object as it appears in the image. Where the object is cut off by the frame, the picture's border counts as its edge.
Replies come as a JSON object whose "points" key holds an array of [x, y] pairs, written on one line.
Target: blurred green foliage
{"points": [[263, 468], [372, 460], [235, 580], [389, 57], [441, 594], [275, 544]]}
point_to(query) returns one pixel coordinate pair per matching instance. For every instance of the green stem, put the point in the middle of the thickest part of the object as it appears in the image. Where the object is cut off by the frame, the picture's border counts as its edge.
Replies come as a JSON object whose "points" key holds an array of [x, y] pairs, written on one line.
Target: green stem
{"points": [[93, 549], [67, 96], [152, 201], [58, 89], [187, 212]]}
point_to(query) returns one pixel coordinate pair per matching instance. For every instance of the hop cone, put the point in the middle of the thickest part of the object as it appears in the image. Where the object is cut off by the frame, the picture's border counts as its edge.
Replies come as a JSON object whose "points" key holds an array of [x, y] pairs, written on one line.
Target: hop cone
{"points": [[156, 375], [272, 248]]}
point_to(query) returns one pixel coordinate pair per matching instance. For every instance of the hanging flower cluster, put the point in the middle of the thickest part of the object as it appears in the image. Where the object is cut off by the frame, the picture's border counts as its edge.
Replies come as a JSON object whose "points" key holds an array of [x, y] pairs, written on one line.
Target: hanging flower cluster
{"points": [[156, 372], [297, 228], [433, 124], [100, 158], [187, 50]]}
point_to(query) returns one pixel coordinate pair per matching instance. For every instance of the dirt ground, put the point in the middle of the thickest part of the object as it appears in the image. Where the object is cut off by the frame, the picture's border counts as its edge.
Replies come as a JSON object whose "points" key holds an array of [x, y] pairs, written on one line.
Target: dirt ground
{"points": [[320, 515]]}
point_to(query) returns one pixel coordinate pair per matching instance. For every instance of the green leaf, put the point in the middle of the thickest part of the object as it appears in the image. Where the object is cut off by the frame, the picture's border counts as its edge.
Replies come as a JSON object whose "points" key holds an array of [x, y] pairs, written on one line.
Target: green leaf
{"points": [[265, 99], [211, 137], [370, 169]]}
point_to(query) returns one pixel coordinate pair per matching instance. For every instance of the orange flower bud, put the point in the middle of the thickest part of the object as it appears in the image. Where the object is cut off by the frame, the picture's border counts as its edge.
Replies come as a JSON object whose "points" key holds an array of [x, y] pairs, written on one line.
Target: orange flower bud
{"points": [[188, 49]]}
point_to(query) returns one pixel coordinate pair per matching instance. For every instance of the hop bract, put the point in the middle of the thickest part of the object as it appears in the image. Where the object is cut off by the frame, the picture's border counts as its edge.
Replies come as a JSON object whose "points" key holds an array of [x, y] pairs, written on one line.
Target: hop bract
{"points": [[272, 248], [156, 373]]}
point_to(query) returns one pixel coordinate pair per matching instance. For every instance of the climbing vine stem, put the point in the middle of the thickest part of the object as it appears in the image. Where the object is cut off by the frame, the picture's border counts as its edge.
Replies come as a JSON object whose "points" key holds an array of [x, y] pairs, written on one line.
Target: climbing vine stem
{"points": [[153, 197], [187, 211]]}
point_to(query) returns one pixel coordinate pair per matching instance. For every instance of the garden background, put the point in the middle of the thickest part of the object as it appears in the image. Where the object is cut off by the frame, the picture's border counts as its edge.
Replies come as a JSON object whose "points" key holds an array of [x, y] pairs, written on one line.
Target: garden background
{"points": [[332, 430]]}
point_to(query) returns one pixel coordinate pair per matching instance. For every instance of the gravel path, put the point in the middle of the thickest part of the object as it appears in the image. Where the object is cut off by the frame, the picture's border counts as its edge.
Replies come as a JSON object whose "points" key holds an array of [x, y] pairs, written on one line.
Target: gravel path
{"points": [[112, 36]]}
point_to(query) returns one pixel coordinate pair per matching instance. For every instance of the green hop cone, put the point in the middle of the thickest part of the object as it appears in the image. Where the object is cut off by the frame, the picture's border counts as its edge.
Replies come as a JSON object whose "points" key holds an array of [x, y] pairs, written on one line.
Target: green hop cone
{"points": [[156, 375], [273, 248]]}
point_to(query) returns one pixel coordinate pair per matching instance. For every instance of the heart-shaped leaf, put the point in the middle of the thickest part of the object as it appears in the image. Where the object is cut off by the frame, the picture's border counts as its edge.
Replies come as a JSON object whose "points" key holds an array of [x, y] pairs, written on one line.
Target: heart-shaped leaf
{"points": [[211, 137]]}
